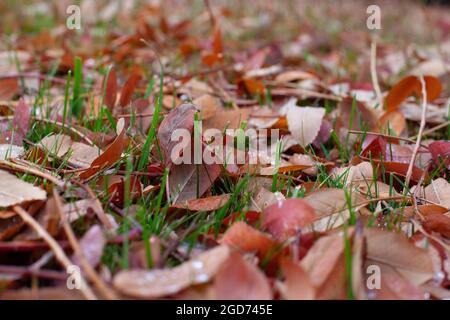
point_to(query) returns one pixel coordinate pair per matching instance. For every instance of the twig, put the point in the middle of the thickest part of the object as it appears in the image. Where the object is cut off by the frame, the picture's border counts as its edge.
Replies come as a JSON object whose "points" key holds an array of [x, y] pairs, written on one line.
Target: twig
{"points": [[423, 121], [90, 272], [100, 212], [384, 135], [431, 130], [27, 272], [373, 72], [34, 172], [55, 247]]}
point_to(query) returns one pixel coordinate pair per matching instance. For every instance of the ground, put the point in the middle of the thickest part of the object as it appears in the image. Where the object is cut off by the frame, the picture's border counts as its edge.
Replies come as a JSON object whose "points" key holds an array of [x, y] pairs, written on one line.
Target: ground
{"points": [[224, 150]]}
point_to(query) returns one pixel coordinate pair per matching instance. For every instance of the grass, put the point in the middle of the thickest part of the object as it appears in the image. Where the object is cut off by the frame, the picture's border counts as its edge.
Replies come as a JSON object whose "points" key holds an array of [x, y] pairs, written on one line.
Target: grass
{"points": [[152, 213]]}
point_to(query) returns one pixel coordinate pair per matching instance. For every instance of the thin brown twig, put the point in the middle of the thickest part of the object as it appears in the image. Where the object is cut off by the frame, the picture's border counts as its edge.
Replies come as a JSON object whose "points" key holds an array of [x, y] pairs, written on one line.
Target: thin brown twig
{"points": [[431, 130], [385, 136], [56, 248], [90, 272]]}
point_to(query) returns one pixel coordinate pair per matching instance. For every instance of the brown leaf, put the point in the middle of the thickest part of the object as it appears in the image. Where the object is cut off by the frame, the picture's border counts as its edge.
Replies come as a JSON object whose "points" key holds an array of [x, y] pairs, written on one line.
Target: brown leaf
{"points": [[398, 252], [205, 204], [163, 282], [238, 279], [91, 245], [184, 180], [296, 285], [117, 188], [112, 153], [181, 117], [440, 150], [438, 223], [14, 191], [325, 265]]}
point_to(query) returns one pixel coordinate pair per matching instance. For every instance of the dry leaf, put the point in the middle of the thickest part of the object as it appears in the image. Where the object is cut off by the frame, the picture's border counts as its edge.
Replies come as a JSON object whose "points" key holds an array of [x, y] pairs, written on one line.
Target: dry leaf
{"points": [[304, 123], [163, 282], [14, 191], [238, 279]]}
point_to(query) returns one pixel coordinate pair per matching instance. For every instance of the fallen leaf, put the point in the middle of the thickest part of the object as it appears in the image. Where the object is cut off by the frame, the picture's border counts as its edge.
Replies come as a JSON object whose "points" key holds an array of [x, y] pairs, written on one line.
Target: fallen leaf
{"points": [[205, 204], [412, 85], [8, 88], [164, 282], [237, 272], [397, 251], [112, 153], [128, 89], [191, 181], [182, 117], [14, 191], [285, 219], [110, 87], [304, 123], [440, 150], [248, 239], [91, 244], [325, 266], [296, 284]]}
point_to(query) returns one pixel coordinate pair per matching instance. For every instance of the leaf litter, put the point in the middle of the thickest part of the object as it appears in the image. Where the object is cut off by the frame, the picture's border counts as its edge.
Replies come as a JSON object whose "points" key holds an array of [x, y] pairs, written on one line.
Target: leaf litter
{"points": [[90, 175]]}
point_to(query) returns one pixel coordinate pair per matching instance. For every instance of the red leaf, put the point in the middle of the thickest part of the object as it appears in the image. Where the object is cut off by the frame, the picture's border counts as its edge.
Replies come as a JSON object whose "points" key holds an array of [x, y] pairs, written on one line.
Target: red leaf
{"points": [[128, 89], [440, 149], [117, 186], [110, 89], [285, 219]]}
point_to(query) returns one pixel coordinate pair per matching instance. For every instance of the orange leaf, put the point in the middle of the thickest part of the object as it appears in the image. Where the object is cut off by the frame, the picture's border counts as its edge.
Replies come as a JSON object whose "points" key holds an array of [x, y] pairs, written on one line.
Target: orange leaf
{"points": [[8, 88], [411, 85], [247, 239]]}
